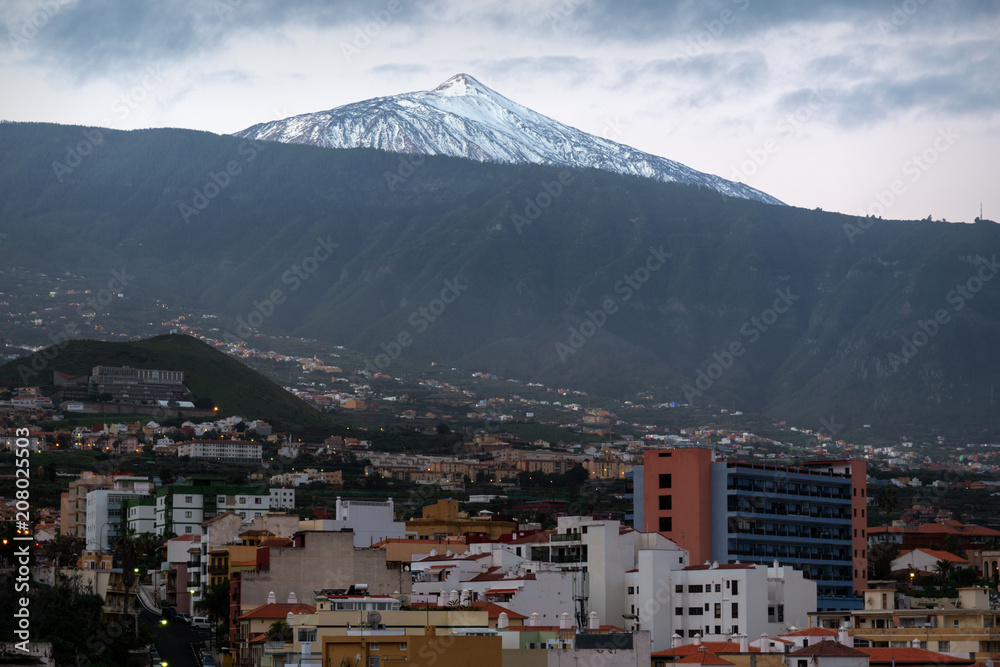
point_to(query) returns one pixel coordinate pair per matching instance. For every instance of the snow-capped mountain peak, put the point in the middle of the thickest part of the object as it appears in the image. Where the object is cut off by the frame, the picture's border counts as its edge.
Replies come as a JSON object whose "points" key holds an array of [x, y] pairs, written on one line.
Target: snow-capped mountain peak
{"points": [[464, 118]]}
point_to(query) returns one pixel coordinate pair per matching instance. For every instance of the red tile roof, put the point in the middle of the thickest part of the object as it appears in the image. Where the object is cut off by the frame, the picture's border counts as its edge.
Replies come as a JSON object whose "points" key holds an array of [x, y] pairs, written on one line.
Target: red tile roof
{"points": [[827, 649], [940, 555], [494, 610], [910, 656], [279, 610], [702, 658], [811, 632], [711, 647]]}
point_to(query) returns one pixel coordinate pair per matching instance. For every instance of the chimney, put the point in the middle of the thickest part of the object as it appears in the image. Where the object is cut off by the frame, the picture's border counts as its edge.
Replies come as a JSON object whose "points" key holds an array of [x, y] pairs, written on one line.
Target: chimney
{"points": [[442, 600], [502, 621], [270, 598], [289, 619], [593, 621], [915, 643], [434, 552], [453, 597], [564, 622], [844, 636], [466, 597], [533, 619], [765, 643], [697, 639], [676, 641], [715, 565], [292, 599], [744, 641]]}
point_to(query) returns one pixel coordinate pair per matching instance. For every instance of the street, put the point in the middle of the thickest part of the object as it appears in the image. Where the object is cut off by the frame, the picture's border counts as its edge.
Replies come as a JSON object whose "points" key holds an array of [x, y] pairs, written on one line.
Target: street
{"points": [[178, 643]]}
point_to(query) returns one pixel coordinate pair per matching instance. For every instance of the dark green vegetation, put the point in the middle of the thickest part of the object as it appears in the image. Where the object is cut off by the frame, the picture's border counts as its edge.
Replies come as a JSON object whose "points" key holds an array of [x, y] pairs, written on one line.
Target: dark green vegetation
{"points": [[259, 248], [208, 373]]}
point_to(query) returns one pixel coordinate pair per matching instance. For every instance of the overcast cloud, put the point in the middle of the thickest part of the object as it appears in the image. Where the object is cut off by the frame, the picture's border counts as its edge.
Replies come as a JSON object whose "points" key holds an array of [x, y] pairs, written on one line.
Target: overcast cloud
{"points": [[819, 104]]}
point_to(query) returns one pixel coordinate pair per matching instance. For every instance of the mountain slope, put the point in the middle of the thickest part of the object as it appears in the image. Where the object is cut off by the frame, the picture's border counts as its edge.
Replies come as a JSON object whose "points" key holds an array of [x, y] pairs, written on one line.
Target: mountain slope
{"points": [[464, 118], [235, 388], [440, 268]]}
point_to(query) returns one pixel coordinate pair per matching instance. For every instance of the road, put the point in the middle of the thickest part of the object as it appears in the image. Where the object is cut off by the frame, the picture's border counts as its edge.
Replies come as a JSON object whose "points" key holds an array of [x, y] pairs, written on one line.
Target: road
{"points": [[178, 643]]}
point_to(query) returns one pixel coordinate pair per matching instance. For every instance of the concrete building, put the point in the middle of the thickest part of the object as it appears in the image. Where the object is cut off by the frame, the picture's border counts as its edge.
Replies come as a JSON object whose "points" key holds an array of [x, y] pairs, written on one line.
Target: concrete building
{"points": [[371, 521], [137, 384], [926, 560], [223, 451], [73, 503], [812, 516], [104, 510], [181, 508]]}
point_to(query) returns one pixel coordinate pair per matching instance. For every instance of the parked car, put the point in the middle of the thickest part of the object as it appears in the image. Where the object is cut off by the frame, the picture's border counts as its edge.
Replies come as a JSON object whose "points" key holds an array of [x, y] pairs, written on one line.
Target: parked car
{"points": [[201, 622], [170, 614], [184, 618]]}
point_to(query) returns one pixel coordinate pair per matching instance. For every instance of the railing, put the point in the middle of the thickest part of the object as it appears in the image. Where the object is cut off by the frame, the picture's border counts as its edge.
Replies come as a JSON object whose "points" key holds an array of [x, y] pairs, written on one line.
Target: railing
{"points": [[564, 537]]}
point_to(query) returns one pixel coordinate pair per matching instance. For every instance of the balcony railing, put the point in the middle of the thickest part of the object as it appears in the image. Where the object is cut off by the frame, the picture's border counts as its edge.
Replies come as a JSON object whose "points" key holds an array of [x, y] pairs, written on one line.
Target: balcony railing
{"points": [[564, 537], [218, 569]]}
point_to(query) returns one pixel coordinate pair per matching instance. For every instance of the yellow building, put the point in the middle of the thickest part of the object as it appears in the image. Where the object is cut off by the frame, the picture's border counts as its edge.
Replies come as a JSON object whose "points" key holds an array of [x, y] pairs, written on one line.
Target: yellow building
{"points": [[969, 627], [442, 519]]}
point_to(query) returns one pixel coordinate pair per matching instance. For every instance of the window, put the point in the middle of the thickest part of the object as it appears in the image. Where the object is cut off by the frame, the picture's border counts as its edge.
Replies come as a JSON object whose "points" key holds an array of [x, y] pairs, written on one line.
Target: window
{"points": [[307, 634], [187, 515], [718, 588], [243, 501], [718, 629], [631, 590], [944, 647], [187, 529], [402, 646], [736, 587], [736, 610], [679, 588], [678, 611], [666, 502], [187, 499], [666, 524], [665, 481], [694, 611], [781, 613], [373, 660], [256, 501], [373, 646], [718, 612], [695, 588], [802, 663]]}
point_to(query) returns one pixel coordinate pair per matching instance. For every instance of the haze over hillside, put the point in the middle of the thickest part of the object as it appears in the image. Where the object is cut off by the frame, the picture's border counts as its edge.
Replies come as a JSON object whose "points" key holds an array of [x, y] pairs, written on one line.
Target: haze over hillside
{"points": [[580, 278]]}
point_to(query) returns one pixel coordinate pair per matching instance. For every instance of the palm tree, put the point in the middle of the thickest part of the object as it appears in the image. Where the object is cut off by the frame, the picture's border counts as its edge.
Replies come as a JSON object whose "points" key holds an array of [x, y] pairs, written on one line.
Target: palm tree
{"points": [[887, 501], [944, 569], [127, 551]]}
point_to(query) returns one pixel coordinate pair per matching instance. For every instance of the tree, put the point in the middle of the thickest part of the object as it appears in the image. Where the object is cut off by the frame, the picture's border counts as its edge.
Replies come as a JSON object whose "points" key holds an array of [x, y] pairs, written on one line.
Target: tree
{"points": [[880, 559], [887, 501], [279, 631], [166, 475], [66, 549], [944, 569], [215, 604]]}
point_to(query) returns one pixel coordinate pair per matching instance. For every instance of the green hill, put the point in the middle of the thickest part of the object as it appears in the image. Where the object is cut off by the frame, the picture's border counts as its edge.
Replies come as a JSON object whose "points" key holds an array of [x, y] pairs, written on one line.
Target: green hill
{"points": [[525, 271], [208, 373]]}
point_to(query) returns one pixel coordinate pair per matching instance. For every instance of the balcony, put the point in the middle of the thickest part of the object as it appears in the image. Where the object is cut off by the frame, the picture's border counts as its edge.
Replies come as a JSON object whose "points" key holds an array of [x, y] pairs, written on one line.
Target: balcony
{"points": [[218, 569], [564, 537]]}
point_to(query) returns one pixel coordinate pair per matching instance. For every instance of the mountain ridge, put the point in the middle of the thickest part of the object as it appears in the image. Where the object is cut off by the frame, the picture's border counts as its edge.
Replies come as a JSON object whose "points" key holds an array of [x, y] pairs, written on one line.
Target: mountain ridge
{"points": [[464, 118]]}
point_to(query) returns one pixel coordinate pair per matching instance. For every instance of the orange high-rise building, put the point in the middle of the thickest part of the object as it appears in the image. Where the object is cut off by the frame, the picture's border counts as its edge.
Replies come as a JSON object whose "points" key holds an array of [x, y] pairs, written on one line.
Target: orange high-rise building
{"points": [[812, 516]]}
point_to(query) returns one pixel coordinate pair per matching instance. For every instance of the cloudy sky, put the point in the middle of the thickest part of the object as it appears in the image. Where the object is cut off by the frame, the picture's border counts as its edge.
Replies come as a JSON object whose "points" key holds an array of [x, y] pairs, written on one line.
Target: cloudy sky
{"points": [[848, 105]]}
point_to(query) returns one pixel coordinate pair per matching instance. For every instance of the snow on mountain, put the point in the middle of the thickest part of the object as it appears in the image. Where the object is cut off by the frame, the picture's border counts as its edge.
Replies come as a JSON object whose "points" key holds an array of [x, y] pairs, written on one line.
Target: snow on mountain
{"points": [[464, 118]]}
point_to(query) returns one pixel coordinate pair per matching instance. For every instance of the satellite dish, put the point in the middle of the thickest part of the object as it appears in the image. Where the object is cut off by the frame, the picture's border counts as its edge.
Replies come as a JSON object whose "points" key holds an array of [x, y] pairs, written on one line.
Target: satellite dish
{"points": [[374, 618]]}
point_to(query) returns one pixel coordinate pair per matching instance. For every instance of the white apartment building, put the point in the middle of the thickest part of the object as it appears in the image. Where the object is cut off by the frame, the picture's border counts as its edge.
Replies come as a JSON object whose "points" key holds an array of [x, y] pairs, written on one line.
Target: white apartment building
{"points": [[371, 520], [225, 451]]}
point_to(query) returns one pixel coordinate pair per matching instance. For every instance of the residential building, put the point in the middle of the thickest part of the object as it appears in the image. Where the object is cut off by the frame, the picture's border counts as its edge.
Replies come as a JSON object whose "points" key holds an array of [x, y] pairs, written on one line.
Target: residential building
{"points": [[223, 451], [181, 508], [812, 516], [965, 628], [443, 519], [105, 509], [73, 503], [137, 384], [926, 561], [370, 520]]}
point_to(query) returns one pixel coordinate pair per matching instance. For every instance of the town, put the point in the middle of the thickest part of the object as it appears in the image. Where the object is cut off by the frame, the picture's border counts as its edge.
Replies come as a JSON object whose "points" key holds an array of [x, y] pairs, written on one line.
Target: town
{"points": [[639, 544]]}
